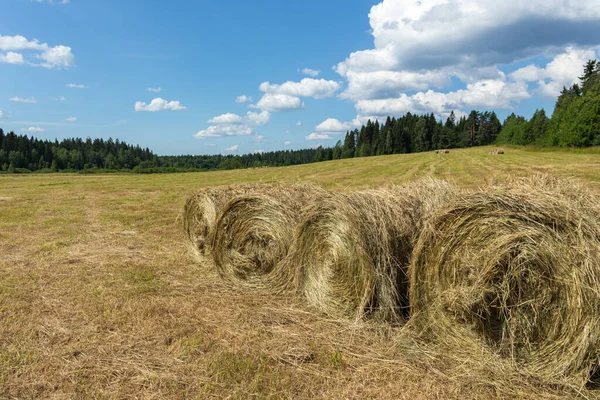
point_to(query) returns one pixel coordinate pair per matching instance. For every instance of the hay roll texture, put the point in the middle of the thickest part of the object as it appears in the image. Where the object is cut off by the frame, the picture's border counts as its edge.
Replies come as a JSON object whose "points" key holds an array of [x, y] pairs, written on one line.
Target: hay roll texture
{"points": [[254, 233], [200, 215], [514, 269], [353, 249]]}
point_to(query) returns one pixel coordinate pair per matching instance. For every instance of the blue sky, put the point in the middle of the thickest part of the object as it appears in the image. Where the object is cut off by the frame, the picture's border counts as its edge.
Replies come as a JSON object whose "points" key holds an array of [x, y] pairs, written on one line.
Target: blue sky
{"points": [[84, 68]]}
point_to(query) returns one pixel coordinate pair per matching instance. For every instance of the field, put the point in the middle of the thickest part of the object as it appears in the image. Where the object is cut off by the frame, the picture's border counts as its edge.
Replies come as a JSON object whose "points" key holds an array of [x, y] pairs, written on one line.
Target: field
{"points": [[99, 297]]}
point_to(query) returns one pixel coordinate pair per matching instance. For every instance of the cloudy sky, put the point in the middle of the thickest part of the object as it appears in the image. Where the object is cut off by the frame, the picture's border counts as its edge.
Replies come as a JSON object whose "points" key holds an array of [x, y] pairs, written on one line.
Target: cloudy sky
{"points": [[225, 76]]}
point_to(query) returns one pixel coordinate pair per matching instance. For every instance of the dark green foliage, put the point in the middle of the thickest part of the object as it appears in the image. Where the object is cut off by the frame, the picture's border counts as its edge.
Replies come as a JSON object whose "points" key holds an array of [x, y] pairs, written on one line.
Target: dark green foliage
{"points": [[574, 123]]}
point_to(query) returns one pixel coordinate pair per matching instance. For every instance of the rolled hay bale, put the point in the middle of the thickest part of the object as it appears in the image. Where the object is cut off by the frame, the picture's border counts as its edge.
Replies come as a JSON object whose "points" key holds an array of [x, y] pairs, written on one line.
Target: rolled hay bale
{"points": [[513, 270], [353, 249], [200, 214], [446, 151], [254, 233]]}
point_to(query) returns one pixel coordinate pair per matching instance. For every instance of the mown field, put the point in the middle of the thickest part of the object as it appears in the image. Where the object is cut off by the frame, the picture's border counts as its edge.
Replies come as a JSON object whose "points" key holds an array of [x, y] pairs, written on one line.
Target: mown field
{"points": [[99, 297]]}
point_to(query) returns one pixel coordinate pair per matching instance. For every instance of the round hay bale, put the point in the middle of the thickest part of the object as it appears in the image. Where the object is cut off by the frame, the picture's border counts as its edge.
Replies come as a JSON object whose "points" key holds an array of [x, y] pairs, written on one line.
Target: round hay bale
{"points": [[254, 233], [353, 249], [516, 269], [200, 215], [446, 151]]}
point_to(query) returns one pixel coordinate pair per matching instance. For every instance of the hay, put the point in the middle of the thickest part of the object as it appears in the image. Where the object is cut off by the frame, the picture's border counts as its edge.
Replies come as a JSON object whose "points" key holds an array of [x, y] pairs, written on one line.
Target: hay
{"points": [[516, 270], [254, 233], [200, 214], [496, 151], [353, 249]]}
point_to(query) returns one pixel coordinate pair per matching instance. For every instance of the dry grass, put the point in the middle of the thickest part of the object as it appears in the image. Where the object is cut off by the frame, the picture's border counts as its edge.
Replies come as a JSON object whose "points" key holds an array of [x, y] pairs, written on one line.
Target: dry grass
{"points": [[99, 297], [353, 249], [516, 268], [254, 233]]}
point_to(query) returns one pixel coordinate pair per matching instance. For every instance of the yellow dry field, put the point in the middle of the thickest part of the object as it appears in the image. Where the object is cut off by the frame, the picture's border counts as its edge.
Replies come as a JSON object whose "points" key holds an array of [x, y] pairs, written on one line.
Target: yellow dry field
{"points": [[100, 299]]}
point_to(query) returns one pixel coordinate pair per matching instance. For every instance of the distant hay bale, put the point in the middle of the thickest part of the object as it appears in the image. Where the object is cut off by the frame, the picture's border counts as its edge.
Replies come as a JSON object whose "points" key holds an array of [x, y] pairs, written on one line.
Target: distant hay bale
{"points": [[515, 268], [200, 214], [254, 233], [496, 151], [446, 151], [353, 249]]}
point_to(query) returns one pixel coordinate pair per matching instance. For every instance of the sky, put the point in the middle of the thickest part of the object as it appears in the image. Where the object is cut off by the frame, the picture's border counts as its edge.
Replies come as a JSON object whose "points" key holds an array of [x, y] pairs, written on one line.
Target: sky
{"points": [[237, 77]]}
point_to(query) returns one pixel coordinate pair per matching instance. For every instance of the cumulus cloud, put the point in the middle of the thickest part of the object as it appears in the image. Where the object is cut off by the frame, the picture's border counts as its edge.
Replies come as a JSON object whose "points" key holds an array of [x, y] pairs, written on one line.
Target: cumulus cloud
{"points": [[232, 148], [226, 119], [332, 125], [421, 48], [317, 136], [230, 124], [76, 86], [307, 87], [278, 102], [311, 72], [482, 94], [59, 56], [34, 129], [224, 130], [71, 119], [159, 104], [287, 143], [436, 33], [261, 118], [563, 70], [31, 100], [12, 58], [259, 151], [243, 99], [155, 90]]}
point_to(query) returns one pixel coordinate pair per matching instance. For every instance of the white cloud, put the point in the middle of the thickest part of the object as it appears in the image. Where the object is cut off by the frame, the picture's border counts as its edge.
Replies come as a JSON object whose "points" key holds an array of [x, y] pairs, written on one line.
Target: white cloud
{"points": [[76, 86], [33, 129], [483, 94], [234, 125], [232, 148], [224, 130], [71, 119], [420, 47], [159, 104], [299, 123], [243, 99], [317, 136], [59, 56], [287, 143], [155, 90], [311, 72], [12, 58], [563, 70], [332, 125], [261, 118], [30, 100], [228, 118], [258, 138], [259, 151], [307, 87], [278, 102], [61, 98]]}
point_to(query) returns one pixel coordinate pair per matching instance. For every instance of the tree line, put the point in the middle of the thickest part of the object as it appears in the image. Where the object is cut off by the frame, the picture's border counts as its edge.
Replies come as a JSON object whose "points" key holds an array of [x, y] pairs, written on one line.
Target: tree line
{"points": [[575, 122]]}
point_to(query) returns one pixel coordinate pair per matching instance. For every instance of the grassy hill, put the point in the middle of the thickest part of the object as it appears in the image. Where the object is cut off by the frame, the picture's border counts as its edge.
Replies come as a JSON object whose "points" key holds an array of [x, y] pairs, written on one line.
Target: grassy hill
{"points": [[99, 297]]}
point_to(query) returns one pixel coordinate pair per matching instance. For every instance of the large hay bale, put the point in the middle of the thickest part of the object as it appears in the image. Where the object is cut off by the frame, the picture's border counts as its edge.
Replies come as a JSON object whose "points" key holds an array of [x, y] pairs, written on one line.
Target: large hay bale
{"points": [[254, 233], [200, 215], [353, 249], [515, 269]]}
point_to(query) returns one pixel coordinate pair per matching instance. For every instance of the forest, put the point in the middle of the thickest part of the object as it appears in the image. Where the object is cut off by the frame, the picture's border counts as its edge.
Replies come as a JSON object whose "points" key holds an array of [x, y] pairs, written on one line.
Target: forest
{"points": [[575, 122]]}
